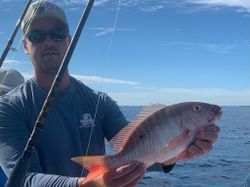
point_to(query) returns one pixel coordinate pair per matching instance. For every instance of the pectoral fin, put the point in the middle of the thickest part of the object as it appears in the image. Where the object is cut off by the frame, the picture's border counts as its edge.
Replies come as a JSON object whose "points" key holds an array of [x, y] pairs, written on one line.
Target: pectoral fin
{"points": [[95, 165]]}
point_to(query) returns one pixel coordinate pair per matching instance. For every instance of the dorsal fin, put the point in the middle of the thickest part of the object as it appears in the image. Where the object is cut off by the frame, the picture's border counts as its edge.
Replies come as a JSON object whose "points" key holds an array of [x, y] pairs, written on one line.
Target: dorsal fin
{"points": [[148, 111], [120, 139]]}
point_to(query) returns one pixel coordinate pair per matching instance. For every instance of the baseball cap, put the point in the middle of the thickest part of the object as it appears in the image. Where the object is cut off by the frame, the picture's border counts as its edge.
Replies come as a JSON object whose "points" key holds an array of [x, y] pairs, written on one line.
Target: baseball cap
{"points": [[9, 79], [43, 9]]}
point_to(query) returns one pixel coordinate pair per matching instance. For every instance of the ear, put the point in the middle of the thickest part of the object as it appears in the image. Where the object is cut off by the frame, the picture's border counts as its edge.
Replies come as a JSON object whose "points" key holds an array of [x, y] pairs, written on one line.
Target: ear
{"points": [[24, 41]]}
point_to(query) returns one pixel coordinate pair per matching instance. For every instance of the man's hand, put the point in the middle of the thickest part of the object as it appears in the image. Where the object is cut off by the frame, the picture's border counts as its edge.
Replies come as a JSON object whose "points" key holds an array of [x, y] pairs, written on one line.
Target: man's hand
{"points": [[203, 143], [128, 175]]}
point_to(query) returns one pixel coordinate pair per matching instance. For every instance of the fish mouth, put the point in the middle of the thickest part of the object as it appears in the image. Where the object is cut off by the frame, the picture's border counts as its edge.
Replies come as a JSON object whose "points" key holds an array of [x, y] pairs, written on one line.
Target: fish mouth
{"points": [[219, 115], [215, 115]]}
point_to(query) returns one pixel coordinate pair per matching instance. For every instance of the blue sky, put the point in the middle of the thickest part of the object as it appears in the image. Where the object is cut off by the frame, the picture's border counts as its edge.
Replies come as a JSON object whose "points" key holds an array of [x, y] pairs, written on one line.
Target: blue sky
{"points": [[154, 51]]}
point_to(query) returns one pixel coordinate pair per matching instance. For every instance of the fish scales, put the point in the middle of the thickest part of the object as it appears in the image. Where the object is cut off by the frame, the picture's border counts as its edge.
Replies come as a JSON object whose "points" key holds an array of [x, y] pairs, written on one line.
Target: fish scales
{"points": [[149, 138]]}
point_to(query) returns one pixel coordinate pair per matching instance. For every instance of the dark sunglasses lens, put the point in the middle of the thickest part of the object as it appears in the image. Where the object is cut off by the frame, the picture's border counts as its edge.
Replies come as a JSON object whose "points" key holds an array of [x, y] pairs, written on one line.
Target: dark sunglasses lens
{"points": [[36, 36], [58, 34]]}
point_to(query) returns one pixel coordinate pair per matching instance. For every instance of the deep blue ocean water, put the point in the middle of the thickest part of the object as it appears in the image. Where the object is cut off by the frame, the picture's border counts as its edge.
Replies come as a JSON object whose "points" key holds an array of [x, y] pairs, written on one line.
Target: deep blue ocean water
{"points": [[227, 165]]}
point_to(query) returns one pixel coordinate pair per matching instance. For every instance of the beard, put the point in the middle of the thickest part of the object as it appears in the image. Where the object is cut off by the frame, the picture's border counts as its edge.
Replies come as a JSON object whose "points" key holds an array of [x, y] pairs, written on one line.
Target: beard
{"points": [[47, 66], [49, 62]]}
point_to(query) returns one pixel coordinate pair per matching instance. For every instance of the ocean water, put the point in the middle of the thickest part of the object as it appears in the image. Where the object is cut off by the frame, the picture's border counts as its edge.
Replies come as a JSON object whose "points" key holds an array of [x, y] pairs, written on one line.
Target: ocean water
{"points": [[227, 165]]}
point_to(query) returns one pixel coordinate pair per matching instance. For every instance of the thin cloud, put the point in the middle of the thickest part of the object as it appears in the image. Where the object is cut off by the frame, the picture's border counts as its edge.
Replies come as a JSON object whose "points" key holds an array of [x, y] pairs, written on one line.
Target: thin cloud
{"points": [[155, 5], [176, 95], [15, 62], [152, 8], [103, 80], [248, 43], [212, 47], [82, 2], [146, 96], [93, 79], [105, 30], [242, 4]]}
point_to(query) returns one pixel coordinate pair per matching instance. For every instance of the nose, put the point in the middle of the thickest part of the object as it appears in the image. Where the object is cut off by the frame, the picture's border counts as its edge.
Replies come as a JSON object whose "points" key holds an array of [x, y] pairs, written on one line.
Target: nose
{"points": [[49, 42]]}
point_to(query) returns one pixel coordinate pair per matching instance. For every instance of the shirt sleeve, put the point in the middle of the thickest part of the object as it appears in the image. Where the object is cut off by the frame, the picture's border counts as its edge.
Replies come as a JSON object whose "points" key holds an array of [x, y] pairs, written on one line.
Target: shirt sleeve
{"points": [[46, 180], [114, 119], [14, 134]]}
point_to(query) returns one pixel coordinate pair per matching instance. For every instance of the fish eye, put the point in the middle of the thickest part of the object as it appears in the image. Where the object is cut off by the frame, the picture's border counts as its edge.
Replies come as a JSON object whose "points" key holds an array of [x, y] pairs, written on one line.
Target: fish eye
{"points": [[196, 108]]}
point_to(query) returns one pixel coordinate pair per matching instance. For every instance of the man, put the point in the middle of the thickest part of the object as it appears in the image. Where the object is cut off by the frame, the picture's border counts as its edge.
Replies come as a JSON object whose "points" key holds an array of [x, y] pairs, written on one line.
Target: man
{"points": [[9, 79], [77, 110]]}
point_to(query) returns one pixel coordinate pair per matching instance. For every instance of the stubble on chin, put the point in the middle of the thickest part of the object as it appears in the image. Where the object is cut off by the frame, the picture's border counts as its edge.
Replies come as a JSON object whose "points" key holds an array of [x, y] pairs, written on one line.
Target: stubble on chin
{"points": [[49, 66]]}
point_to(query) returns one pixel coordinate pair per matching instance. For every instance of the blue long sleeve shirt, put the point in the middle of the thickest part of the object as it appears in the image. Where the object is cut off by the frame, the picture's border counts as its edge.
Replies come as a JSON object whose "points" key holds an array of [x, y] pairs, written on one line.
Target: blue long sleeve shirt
{"points": [[66, 132]]}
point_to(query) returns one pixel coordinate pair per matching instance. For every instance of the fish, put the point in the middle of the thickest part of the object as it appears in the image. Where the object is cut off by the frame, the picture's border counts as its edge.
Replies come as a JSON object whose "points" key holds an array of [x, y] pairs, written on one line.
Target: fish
{"points": [[154, 137]]}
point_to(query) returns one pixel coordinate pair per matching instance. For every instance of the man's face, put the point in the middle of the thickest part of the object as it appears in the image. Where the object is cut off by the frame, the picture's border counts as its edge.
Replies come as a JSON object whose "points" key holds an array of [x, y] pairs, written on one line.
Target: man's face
{"points": [[44, 46]]}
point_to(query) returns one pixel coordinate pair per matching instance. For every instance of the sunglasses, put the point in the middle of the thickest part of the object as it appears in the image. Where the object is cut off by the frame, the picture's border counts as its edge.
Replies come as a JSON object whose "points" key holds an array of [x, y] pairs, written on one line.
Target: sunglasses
{"points": [[39, 36]]}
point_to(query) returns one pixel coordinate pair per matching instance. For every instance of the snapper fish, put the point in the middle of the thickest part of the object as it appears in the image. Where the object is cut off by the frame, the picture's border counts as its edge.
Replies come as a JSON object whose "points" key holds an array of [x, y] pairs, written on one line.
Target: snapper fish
{"points": [[154, 137]]}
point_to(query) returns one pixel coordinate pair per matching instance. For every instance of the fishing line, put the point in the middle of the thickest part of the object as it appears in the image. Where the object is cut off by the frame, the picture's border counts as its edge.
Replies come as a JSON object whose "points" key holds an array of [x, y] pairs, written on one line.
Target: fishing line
{"points": [[102, 82]]}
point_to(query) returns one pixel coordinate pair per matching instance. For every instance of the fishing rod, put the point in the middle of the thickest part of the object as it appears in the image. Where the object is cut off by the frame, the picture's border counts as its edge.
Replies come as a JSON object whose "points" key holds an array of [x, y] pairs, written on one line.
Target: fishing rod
{"points": [[17, 176], [13, 35]]}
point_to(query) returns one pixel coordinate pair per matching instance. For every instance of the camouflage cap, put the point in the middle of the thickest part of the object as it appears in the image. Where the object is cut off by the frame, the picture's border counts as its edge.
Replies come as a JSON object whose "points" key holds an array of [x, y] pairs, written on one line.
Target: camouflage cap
{"points": [[43, 9]]}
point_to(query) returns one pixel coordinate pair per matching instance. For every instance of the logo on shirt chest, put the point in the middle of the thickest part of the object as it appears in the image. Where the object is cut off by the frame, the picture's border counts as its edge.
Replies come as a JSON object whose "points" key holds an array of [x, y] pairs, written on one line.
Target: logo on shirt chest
{"points": [[87, 121]]}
